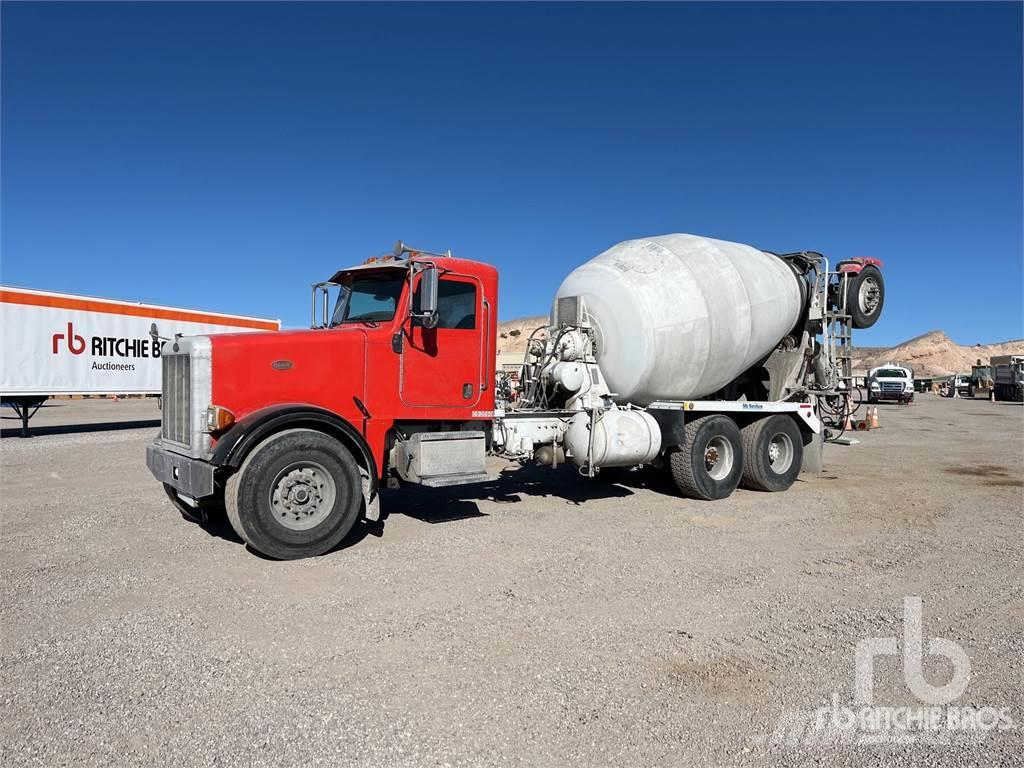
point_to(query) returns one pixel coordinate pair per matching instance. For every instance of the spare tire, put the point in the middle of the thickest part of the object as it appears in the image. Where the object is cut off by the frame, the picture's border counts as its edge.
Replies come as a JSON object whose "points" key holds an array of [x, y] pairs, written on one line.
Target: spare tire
{"points": [[865, 296]]}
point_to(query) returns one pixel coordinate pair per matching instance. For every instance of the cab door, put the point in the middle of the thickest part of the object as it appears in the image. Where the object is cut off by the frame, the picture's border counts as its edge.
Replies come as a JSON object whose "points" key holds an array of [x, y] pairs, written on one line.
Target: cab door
{"points": [[442, 366]]}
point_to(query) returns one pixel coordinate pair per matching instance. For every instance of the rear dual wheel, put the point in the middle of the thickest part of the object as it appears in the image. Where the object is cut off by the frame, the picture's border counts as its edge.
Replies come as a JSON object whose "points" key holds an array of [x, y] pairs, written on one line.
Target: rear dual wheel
{"points": [[716, 456], [709, 463], [773, 451]]}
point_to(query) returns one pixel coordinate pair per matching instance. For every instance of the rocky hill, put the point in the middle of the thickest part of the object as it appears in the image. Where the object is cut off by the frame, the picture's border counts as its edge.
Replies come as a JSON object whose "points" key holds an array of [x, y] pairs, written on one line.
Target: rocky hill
{"points": [[931, 354], [512, 334], [934, 354]]}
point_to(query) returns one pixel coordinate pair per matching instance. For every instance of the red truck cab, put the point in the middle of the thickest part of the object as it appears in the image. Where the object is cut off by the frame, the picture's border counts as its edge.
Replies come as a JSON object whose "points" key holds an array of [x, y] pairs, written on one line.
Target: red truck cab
{"points": [[293, 431]]}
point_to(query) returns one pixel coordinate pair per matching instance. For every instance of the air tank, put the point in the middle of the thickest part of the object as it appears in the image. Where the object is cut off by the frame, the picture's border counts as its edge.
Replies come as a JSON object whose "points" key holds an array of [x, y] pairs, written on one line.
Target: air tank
{"points": [[678, 317]]}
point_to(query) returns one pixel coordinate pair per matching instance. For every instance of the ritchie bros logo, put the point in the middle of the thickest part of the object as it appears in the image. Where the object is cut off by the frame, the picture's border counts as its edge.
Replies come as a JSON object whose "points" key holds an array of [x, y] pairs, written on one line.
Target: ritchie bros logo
{"points": [[107, 346]]}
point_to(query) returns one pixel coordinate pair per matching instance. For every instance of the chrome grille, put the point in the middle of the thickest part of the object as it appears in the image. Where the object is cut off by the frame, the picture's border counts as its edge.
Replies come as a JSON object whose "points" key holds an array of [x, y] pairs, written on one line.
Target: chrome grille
{"points": [[177, 399], [892, 387]]}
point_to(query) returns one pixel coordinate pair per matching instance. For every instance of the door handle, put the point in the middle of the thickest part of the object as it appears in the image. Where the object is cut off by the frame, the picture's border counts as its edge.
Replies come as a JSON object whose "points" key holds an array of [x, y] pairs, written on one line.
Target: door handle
{"points": [[467, 391]]}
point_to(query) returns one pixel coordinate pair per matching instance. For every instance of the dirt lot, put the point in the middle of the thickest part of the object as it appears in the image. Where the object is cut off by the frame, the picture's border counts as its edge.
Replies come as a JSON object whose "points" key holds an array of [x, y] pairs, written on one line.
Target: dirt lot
{"points": [[540, 620]]}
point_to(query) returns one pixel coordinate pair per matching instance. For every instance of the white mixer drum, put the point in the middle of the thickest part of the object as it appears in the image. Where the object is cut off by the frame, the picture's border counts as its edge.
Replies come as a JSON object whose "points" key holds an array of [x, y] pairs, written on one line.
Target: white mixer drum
{"points": [[680, 316]]}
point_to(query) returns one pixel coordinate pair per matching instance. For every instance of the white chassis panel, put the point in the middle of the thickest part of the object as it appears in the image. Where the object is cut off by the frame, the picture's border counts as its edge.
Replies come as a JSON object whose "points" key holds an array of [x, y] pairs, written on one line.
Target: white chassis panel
{"points": [[803, 411]]}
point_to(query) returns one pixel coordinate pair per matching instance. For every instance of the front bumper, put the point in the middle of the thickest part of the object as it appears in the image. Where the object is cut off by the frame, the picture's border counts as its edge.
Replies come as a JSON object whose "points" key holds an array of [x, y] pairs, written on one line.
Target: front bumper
{"points": [[189, 477], [892, 395]]}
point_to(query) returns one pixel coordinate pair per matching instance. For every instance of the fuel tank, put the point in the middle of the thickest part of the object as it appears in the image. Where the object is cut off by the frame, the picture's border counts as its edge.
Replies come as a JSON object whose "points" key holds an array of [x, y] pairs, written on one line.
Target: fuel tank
{"points": [[678, 316]]}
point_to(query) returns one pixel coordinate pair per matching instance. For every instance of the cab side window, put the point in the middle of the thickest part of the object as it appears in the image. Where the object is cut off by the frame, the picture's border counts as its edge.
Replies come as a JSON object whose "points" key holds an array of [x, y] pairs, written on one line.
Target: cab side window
{"points": [[456, 304]]}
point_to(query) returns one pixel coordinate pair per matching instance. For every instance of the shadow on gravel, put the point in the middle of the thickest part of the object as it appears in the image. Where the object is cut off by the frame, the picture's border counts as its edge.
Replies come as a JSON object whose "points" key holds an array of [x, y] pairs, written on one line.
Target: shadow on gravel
{"points": [[441, 505], [218, 527], [70, 429]]}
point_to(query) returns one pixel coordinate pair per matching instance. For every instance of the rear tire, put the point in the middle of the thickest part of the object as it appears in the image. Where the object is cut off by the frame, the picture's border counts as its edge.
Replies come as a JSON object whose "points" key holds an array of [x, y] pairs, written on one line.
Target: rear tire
{"points": [[773, 452], [709, 463], [865, 296], [298, 494]]}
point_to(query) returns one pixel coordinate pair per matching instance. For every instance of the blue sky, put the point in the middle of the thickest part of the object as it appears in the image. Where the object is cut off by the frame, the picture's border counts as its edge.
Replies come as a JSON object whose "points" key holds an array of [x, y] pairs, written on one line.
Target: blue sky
{"points": [[226, 156]]}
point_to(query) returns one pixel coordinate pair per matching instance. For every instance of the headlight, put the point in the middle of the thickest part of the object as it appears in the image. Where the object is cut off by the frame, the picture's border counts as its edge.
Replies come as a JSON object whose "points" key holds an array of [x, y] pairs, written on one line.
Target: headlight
{"points": [[908, 387], [218, 419], [875, 385]]}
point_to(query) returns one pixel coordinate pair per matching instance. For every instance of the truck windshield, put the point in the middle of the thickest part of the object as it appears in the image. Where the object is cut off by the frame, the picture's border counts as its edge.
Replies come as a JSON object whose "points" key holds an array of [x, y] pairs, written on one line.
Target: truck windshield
{"points": [[890, 373], [370, 298]]}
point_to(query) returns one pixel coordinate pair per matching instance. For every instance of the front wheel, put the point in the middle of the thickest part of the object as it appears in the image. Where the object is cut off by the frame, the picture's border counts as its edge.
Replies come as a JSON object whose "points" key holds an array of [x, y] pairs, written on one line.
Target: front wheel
{"points": [[709, 463], [296, 495], [773, 452]]}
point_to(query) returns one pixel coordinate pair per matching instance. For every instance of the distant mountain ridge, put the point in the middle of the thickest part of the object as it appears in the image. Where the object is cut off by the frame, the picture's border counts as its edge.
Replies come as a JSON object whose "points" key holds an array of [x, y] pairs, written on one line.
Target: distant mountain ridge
{"points": [[512, 334], [930, 354], [934, 354]]}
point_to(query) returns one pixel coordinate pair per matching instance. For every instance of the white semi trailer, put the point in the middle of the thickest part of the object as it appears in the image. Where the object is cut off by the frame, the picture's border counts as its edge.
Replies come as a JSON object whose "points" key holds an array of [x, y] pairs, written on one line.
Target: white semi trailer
{"points": [[717, 359], [59, 344]]}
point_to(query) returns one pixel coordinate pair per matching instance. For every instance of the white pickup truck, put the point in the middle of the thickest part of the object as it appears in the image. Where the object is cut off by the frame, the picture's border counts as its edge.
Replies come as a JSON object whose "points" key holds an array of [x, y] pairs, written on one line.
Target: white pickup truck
{"points": [[890, 382]]}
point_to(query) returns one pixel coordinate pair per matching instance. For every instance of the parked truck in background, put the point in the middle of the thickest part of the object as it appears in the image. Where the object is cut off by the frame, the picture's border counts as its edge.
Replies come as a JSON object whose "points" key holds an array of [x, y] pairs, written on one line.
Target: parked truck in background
{"points": [[957, 385], [981, 380], [717, 361], [1008, 377], [890, 382]]}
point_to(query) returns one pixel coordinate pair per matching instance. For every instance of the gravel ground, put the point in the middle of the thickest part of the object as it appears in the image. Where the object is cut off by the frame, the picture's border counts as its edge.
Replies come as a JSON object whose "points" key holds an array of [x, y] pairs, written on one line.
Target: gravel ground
{"points": [[539, 620]]}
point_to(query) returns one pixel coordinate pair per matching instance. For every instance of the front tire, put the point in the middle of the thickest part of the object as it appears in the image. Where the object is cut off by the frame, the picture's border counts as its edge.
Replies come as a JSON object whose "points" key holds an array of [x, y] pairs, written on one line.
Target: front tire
{"points": [[298, 494], [709, 463], [773, 452]]}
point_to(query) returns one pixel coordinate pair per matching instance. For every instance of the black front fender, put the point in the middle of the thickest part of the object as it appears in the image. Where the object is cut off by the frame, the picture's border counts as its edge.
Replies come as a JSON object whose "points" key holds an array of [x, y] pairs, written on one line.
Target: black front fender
{"points": [[235, 444]]}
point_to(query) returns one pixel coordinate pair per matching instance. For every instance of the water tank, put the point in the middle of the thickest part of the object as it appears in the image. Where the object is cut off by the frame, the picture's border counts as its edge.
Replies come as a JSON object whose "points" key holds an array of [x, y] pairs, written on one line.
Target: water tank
{"points": [[680, 316]]}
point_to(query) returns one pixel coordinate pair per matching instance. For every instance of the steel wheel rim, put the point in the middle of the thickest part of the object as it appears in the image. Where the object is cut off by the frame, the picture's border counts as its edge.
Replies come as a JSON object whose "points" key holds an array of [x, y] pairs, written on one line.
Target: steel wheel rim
{"points": [[780, 453], [302, 495], [718, 458], [868, 295]]}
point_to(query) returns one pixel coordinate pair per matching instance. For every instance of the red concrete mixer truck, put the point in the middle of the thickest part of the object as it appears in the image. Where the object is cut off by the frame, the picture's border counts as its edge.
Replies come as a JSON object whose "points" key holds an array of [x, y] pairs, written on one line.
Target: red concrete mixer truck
{"points": [[722, 363]]}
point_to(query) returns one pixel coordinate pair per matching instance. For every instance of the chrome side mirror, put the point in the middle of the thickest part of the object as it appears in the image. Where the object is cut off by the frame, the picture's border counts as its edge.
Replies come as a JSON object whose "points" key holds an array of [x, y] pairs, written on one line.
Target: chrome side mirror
{"points": [[321, 305], [427, 311]]}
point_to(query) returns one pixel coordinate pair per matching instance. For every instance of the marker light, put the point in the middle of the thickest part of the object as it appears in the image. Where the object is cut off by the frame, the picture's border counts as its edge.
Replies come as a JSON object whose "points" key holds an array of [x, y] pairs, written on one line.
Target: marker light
{"points": [[218, 419]]}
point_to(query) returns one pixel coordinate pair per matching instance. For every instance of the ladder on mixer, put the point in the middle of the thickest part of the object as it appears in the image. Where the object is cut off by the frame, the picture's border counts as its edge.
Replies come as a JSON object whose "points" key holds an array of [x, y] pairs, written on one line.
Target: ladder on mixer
{"points": [[836, 327], [840, 339]]}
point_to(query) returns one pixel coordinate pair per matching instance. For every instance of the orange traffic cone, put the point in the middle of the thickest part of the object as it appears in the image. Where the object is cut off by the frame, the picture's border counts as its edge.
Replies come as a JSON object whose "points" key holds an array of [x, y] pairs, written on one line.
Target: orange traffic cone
{"points": [[849, 427], [865, 423], [873, 418]]}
